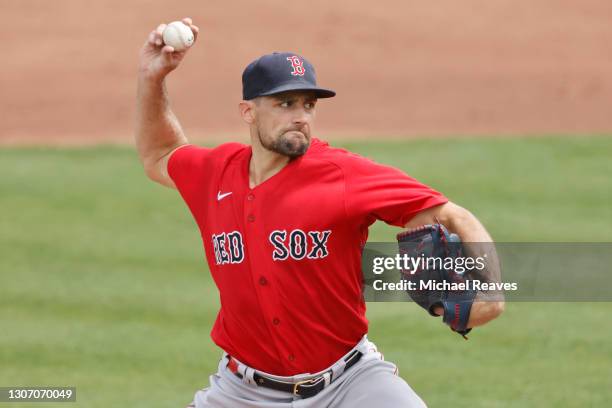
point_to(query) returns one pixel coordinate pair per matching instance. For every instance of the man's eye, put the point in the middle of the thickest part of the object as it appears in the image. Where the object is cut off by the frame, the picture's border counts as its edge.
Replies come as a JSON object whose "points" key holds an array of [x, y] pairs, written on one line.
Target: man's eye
{"points": [[310, 105], [285, 104]]}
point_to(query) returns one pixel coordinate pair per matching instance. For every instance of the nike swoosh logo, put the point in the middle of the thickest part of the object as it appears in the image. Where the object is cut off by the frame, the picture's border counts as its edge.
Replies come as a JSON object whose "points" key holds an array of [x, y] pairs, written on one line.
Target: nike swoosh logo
{"points": [[222, 196]]}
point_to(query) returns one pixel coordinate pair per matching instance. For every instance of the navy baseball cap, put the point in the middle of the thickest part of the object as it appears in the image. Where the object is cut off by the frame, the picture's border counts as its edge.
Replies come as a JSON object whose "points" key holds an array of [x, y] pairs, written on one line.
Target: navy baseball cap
{"points": [[279, 72]]}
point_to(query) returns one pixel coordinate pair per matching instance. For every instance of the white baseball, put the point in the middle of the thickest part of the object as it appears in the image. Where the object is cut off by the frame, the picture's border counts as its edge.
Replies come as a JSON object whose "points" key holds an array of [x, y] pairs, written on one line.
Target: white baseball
{"points": [[178, 36]]}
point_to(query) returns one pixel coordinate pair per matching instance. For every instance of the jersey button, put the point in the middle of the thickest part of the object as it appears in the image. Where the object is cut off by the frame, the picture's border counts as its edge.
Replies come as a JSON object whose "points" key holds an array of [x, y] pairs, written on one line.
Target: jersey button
{"points": [[251, 197], [276, 321], [251, 218], [263, 281], [291, 357]]}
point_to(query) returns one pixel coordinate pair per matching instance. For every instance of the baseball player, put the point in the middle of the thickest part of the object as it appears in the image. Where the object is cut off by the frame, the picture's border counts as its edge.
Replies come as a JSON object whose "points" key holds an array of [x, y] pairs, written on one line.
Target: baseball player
{"points": [[283, 222]]}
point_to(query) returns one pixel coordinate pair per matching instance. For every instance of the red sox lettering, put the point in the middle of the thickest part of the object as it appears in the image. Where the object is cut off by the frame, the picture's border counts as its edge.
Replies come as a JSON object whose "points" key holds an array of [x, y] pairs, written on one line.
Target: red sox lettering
{"points": [[300, 245], [229, 248], [297, 245]]}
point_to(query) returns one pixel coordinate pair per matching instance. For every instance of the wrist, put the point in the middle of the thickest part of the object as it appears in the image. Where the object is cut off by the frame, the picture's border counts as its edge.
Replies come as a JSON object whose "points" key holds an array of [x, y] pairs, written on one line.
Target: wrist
{"points": [[149, 76]]}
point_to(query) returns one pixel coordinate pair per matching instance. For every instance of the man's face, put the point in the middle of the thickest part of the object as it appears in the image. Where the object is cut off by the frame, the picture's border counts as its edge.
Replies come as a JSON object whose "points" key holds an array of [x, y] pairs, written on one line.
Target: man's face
{"points": [[283, 121]]}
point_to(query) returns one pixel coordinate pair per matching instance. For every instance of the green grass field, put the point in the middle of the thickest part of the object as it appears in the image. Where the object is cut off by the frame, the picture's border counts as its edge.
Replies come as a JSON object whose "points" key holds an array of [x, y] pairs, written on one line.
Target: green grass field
{"points": [[103, 283]]}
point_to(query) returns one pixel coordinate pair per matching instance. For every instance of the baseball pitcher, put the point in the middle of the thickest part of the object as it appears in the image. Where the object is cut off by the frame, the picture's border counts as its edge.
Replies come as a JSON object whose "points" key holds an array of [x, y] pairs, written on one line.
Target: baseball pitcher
{"points": [[284, 221]]}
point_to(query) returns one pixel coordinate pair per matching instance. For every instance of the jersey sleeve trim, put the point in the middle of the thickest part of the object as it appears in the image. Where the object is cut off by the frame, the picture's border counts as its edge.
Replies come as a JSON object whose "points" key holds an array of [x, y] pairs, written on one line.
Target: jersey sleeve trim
{"points": [[431, 202], [169, 166]]}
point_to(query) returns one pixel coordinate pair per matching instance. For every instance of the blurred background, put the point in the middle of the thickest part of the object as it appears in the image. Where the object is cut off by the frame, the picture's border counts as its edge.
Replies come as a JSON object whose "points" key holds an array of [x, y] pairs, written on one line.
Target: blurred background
{"points": [[400, 68], [103, 282]]}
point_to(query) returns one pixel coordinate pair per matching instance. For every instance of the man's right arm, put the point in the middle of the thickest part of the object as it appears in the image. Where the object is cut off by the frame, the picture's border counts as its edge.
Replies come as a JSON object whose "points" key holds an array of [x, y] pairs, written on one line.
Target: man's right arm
{"points": [[158, 132]]}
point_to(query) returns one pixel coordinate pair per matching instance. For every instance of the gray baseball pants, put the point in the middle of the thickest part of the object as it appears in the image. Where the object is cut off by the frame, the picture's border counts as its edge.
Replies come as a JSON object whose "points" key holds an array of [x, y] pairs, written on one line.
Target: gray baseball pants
{"points": [[371, 382]]}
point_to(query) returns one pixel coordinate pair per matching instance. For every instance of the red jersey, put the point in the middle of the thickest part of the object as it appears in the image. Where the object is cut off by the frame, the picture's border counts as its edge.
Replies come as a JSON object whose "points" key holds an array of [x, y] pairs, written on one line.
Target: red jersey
{"points": [[286, 255]]}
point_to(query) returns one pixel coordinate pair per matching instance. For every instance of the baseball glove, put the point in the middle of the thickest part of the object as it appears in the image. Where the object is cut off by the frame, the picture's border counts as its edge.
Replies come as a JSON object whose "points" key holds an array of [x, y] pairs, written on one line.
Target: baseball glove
{"points": [[431, 253]]}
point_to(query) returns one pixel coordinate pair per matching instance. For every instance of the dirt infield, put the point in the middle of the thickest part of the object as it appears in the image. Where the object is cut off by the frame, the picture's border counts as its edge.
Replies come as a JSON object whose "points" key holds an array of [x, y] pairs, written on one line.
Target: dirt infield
{"points": [[400, 67]]}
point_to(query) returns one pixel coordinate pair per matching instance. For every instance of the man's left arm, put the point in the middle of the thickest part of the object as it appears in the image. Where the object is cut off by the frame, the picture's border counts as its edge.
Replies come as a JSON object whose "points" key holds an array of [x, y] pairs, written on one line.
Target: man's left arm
{"points": [[479, 243]]}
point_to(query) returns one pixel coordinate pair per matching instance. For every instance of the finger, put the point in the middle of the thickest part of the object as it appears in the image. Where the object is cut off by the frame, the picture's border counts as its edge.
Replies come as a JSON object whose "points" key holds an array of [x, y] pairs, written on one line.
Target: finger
{"points": [[187, 21], [151, 39], [160, 29], [167, 50], [195, 30], [158, 34], [168, 59]]}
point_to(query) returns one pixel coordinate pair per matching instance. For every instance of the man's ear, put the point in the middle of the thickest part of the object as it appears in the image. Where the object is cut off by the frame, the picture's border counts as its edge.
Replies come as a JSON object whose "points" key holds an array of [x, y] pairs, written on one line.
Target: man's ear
{"points": [[247, 111]]}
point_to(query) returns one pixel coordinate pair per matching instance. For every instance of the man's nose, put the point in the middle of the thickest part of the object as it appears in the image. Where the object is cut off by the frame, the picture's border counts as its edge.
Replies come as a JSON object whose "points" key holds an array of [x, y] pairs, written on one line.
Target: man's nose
{"points": [[301, 116]]}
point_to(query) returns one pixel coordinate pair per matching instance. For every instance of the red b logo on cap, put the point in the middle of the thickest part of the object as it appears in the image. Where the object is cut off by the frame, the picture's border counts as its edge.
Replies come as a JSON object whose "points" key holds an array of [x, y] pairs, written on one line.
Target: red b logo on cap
{"points": [[297, 64]]}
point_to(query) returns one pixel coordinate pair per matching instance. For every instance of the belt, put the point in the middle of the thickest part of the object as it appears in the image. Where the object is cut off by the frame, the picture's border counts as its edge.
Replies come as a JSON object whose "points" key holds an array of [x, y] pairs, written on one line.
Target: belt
{"points": [[305, 389]]}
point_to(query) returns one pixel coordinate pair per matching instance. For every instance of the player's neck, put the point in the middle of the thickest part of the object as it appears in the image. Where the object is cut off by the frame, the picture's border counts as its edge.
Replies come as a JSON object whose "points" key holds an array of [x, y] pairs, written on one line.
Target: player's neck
{"points": [[264, 164]]}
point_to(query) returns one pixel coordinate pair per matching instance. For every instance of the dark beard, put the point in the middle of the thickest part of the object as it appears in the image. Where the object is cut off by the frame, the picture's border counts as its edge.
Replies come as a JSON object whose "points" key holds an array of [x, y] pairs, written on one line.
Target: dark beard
{"points": [[287, 147]]}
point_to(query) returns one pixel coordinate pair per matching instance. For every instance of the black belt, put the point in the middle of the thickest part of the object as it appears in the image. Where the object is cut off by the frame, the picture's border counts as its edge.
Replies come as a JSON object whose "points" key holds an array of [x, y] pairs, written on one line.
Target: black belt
{"points": [[305, 389]]}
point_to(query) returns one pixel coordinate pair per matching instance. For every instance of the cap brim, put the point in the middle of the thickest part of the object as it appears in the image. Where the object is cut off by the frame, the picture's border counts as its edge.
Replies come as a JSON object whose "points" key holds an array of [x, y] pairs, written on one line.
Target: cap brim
{"points": [[320, 92]]}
